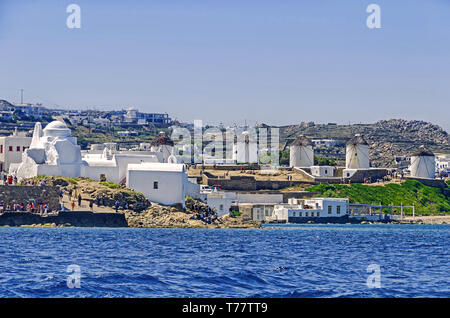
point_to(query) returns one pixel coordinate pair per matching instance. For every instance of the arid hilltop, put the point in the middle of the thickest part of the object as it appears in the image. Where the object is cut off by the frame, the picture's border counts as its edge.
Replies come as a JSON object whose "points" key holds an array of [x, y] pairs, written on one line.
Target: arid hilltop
{"points": [[387, 139]]}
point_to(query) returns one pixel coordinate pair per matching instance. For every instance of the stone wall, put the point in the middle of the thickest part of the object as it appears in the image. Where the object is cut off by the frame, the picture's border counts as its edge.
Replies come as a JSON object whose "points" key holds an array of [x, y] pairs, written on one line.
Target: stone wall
{"points": [[374, 173], [77, 219], [299, 195], [437, 183], [247, 183], [25, 194]]}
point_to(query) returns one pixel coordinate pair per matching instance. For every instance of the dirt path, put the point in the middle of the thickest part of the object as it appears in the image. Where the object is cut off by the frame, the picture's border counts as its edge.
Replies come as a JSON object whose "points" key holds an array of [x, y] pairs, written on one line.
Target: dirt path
{"points": [[85, 206]]}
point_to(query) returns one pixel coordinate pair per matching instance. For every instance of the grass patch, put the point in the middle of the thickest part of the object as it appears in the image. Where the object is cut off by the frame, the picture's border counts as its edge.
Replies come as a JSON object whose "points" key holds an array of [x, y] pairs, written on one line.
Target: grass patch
{"points": [[71, 180], [427, 200], [110, 185]]}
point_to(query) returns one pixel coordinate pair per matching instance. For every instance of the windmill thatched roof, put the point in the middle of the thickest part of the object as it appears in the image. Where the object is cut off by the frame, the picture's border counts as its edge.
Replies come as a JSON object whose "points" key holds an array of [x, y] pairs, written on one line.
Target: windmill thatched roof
{"points": [[162, 139], [357, 140], [422, 152], [301, 141]]}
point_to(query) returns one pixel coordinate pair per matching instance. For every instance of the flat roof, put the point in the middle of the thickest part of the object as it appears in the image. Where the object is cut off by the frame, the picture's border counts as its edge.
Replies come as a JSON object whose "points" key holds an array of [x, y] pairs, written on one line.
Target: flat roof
{"points": [[157, 166]]}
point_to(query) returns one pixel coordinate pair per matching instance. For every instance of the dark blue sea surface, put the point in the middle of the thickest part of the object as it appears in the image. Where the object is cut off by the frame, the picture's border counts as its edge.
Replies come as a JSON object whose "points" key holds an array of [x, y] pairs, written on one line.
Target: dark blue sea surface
{"points": [[302, 261]]}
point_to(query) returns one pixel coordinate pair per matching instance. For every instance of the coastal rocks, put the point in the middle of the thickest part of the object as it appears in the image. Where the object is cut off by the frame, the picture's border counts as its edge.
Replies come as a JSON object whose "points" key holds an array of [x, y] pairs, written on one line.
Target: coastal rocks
{"points": [[140, 213], [159, 216]]}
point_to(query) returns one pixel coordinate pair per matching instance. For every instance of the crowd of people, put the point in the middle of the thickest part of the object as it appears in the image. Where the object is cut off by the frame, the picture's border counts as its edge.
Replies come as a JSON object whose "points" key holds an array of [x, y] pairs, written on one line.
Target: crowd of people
{"points": [[8, 179], [207, 215], [32, 207]]}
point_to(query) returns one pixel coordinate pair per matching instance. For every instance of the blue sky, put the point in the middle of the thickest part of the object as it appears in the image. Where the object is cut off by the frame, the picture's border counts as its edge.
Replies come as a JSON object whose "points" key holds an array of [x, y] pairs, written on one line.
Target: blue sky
{"points": [[277, 62]]}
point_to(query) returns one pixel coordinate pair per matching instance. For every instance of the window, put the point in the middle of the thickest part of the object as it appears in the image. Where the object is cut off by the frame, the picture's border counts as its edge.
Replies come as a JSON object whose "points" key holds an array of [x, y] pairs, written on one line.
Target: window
{"points": [[155, 185], [221, 207], [18, 148], [1, 148], [24, 148], [306, 213], [330, 209], [10, 148], [300, 213], [293, 213], [338, 209]]}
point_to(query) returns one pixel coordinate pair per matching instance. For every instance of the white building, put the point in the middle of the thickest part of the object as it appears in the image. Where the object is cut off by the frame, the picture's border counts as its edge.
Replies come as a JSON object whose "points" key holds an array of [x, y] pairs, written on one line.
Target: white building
{"points": [[163, 183], [260, 204], [442, 163], [113, 166], [221, 201], [357, 153], [162, 144], [11, 149], [422, 163], [30, 110], [324, 142], [100, 147], [301, 153], [245, 148], [323, 171], [54, 152], [297, 210], [131, 115]]}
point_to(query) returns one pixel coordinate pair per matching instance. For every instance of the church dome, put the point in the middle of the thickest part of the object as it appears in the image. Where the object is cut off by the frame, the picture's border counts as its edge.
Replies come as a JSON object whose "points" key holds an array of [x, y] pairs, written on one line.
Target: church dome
{"points": [[57, 129]]}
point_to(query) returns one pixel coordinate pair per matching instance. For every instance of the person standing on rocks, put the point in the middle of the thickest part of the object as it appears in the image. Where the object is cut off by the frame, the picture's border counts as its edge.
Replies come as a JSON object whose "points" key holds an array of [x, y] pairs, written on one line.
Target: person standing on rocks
{"points": [[91, 205], [117, 206], [73, 205], [79, 200]]}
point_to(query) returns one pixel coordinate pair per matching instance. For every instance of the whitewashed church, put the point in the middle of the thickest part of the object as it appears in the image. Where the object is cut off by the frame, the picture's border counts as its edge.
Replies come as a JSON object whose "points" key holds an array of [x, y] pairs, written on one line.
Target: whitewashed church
{"points": [[54, 152]]}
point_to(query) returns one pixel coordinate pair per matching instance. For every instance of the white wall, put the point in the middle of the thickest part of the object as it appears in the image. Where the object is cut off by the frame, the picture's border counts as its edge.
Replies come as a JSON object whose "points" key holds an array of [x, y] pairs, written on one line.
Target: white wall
{"points": [[259, 197], [221, 203], [93, 172], [319, 209], [423, 167], [301, 156], [261, 213], [322, 171], [170, 190], [245, 152], [6, 156], [357, 156], [192, 189]]}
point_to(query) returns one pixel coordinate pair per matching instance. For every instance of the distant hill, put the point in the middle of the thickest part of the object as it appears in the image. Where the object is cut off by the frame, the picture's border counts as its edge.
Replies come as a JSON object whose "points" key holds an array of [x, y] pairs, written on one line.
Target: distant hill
{"points": [[4, 104], [387, 139]]}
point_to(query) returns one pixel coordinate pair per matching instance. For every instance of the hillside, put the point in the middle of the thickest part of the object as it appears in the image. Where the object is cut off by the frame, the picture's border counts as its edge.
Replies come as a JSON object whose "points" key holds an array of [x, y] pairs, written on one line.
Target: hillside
{"points": [[427, 200], [387, 138]]}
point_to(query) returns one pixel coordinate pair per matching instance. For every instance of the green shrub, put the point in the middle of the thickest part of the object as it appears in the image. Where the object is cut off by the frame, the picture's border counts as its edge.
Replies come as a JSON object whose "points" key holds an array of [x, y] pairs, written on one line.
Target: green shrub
{"points": [[427, 200], [110, 185]]}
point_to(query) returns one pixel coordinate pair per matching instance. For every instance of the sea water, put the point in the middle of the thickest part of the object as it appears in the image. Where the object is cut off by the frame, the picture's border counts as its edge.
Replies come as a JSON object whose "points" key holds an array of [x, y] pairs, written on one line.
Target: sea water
{"points": [[299, 261]]}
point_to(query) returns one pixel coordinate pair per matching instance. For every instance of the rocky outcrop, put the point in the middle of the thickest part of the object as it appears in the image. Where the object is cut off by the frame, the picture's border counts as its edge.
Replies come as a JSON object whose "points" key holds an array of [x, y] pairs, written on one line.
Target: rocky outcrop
{"points": [[387, 139], [140, 213], [93, 190], [162, 216]]}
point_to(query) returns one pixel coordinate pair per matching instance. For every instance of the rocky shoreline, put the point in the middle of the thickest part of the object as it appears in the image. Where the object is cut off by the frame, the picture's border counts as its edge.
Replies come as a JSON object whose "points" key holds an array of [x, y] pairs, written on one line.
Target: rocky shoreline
{"points": [[159, 216], [142, 213], [167, 217]]}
